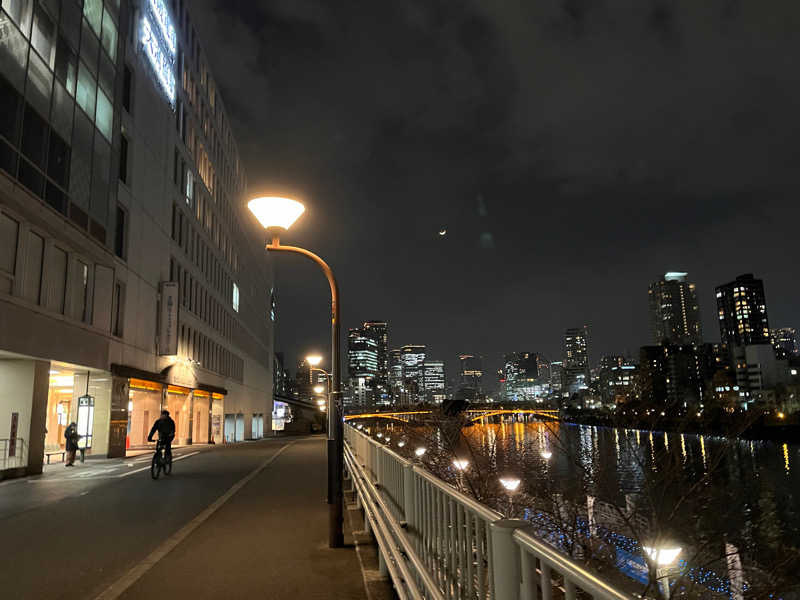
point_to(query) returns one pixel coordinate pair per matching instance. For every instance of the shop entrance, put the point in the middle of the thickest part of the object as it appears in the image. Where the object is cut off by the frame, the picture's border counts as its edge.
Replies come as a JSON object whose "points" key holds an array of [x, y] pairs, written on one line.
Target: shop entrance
{"points": [[144, 407], [82, 396]]}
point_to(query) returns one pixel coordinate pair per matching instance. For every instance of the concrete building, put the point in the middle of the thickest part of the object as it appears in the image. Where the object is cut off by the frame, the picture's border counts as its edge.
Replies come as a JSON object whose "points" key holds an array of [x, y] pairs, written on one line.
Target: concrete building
{"points": [[131, 276], [674, 310]]}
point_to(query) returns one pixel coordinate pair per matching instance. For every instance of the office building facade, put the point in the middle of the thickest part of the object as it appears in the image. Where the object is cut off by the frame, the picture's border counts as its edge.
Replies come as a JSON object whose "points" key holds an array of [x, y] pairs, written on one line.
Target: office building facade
{"points": [[131, 277]]}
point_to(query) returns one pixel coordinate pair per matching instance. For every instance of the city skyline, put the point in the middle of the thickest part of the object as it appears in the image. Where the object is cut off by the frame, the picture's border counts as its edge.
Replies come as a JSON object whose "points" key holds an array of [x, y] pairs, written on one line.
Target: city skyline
{"points": [[552, 217], [710, 334]]}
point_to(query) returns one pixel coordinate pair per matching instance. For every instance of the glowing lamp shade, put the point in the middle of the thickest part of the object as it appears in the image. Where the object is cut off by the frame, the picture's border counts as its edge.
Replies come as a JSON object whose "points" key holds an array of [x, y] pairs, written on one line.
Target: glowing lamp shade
{"points": [[313, 360], [662, 556], [318, 389], [547, 455], [511, 484], [273, 211]]}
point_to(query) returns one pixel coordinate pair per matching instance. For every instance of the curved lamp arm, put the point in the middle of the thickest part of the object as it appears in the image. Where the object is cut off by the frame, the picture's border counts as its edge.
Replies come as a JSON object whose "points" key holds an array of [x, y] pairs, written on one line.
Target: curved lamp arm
{"points": [[335, 426]]}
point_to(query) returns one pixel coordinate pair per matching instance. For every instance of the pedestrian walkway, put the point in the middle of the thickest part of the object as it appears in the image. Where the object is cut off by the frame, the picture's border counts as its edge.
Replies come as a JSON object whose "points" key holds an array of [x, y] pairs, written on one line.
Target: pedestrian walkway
{"points": [[269, 540]]}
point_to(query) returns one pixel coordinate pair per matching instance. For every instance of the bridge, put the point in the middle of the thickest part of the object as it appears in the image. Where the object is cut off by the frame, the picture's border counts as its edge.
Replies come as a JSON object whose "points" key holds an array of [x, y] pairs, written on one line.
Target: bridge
{"points": [[475, 414]]}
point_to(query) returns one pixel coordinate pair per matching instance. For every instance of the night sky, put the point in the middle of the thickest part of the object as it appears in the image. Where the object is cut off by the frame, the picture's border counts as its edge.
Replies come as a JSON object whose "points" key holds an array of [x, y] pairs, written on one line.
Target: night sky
{"points": [[574, 150]]}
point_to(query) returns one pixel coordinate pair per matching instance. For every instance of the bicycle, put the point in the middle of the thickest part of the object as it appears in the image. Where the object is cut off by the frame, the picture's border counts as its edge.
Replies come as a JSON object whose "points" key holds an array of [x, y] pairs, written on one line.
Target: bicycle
{"points": [[160, 461]]}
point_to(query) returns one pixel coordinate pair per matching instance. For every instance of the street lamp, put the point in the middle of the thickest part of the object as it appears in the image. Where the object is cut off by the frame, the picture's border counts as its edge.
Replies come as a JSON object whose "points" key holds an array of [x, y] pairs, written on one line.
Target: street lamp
{"points": [[276, 215], [664, 557], [510, 485], [419, 452]]}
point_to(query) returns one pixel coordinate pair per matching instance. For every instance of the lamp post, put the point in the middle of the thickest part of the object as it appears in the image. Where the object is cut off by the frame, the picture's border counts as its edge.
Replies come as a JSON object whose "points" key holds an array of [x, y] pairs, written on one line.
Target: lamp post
{"points": [[276, 214]]}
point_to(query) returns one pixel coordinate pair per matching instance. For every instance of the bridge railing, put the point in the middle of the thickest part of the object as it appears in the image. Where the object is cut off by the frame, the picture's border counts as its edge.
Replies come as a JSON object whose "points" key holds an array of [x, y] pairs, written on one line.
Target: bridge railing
{"points": [[436, 542]]}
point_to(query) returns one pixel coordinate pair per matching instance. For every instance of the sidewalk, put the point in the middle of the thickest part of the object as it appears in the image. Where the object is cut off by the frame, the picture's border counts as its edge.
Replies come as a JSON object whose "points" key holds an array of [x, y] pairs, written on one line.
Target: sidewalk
{"points": [[269, 540], [104, 463]]}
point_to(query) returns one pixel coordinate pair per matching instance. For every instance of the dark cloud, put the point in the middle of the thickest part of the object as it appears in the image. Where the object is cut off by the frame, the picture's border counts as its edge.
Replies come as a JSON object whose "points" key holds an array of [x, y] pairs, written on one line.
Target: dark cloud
{"points": [[573, 150]]}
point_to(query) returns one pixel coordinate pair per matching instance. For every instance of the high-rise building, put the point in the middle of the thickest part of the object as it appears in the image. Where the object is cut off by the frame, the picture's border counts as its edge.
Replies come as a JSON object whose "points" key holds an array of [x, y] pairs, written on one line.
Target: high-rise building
{"points": [[575, 367], [471, 370], [674, 310], [395, 377], [742, 311], [520, 378], [413, 372], [362, 354], [674, 376], [132, 276], [379, 331], [435, 381], [785, 341]]}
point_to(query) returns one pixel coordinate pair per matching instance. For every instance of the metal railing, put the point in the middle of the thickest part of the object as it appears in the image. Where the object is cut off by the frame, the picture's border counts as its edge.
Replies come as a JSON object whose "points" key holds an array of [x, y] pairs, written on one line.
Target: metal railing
{"points": [[13, 453], [438, 543]]}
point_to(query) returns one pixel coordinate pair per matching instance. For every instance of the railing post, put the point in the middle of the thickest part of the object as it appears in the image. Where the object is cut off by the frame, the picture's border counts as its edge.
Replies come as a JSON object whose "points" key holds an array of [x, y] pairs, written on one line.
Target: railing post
{"points": [[409, 509], [506, 571]]}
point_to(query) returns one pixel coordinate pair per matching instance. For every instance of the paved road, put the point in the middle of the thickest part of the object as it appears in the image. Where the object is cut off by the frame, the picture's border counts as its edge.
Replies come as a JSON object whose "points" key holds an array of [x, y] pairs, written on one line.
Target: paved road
{"points": [[76, 534]]}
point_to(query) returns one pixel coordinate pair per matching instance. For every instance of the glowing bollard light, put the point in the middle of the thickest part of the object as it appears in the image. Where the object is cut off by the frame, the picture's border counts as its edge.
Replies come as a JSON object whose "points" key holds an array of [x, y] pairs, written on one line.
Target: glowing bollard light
{"points": [[510, 485]]}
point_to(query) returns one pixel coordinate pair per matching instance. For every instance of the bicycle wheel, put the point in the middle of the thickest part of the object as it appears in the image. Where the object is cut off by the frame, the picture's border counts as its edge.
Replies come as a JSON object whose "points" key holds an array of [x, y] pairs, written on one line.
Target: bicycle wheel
{"points": [[168, 465], [155, 466]]}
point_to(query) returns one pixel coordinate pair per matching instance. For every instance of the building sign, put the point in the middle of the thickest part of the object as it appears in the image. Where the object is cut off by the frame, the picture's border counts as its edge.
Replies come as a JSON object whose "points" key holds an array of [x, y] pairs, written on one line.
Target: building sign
{"points": [[168, 319], [85, 421], [157, 36], [12, 438]]}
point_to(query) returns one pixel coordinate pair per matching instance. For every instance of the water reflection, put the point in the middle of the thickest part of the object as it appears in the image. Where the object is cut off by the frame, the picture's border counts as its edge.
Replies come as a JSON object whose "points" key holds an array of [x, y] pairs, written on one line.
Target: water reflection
{"points": [[739, 472]]}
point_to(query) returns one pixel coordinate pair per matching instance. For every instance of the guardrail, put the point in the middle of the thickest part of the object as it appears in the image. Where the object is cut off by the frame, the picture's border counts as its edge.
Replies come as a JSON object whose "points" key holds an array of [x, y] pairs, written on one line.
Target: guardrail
{"points": [[437, 543], [13, 453]]}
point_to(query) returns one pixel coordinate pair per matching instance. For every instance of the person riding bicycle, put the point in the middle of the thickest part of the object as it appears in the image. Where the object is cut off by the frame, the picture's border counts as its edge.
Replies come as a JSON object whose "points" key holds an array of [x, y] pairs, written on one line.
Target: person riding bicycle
{"points": [[166, 432]]}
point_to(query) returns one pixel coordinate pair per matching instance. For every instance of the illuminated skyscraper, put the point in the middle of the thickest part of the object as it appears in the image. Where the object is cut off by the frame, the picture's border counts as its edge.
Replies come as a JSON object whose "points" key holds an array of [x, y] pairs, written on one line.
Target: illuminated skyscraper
{"points": [[413, 372], [471, 369], [575, 367], [674, 311], [395, 376], [362, 354], [434, 381], [379, 331], [742, 311]]}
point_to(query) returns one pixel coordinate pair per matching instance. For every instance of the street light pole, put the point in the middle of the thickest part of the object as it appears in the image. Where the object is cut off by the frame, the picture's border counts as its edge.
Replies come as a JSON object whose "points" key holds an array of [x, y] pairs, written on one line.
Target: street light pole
{"points": [[335, 427]]}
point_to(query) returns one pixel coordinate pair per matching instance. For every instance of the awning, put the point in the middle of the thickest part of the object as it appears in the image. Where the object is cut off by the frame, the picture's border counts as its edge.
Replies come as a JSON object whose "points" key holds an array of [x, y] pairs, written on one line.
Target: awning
{"points": [[133, 372]]}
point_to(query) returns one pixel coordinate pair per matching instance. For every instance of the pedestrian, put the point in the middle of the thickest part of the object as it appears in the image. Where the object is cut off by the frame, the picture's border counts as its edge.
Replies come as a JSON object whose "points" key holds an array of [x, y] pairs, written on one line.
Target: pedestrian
{"points": [[72, 437]]}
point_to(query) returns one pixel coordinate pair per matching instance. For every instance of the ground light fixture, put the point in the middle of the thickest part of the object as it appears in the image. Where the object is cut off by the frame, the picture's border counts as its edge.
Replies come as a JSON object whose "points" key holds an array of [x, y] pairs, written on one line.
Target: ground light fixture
{"points": [[663, 556], [510, 484], [419, 452], [276, 214]]}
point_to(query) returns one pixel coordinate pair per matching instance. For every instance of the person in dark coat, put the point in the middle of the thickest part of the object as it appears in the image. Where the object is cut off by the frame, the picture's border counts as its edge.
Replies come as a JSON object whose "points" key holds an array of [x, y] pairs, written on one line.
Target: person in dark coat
{"points": [[72, 437], [166, 432]]}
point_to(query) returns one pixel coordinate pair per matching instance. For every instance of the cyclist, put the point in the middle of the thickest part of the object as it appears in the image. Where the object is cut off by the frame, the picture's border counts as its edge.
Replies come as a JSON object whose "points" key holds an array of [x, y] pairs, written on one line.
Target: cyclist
{"points": [[166, 432]]}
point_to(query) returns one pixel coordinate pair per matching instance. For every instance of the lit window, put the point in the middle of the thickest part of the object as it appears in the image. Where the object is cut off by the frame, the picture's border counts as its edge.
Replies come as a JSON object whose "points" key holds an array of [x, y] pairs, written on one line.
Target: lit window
{"points": [[235, 297], [105, 115], [87, 90], [189, 186]]}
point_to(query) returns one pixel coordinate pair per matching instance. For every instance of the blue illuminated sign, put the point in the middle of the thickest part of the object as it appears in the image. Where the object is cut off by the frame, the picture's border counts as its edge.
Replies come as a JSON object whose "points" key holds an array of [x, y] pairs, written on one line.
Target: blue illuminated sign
{"points": [[157, 36]]}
